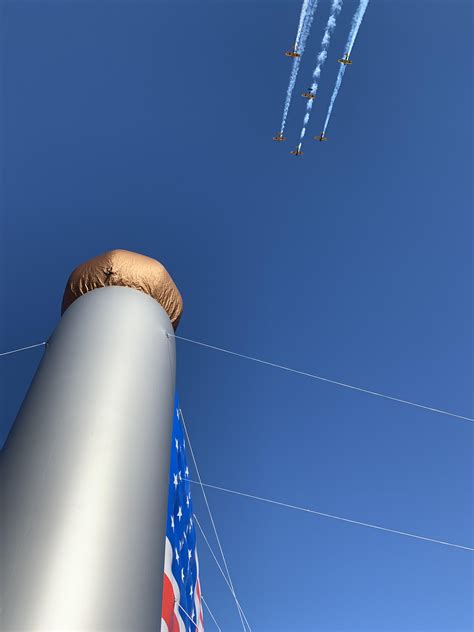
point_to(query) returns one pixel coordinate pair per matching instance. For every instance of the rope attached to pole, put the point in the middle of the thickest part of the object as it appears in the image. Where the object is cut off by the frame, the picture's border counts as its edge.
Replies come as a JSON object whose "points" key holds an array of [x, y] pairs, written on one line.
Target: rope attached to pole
{"points": [[326, 515], [323, 379]]}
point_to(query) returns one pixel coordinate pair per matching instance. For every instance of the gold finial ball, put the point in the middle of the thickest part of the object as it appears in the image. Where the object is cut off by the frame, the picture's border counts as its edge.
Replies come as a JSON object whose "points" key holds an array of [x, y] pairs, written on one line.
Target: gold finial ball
{"points": [[128, 269]]}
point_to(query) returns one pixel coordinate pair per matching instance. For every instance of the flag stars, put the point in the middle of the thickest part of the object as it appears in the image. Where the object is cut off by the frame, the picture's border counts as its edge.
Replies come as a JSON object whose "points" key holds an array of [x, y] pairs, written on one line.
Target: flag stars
{"points": [[181, 532]]}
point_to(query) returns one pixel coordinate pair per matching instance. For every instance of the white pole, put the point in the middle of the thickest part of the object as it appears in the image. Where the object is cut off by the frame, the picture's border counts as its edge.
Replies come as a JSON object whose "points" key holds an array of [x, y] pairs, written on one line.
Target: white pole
{"points": [[85, 472]]}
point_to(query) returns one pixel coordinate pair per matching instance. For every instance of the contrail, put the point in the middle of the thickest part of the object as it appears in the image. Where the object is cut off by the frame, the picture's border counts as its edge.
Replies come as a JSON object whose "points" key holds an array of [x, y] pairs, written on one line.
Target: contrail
{"points": [[306, 19], [336, 7], [304, 10], [356, 22], [340, 75]]}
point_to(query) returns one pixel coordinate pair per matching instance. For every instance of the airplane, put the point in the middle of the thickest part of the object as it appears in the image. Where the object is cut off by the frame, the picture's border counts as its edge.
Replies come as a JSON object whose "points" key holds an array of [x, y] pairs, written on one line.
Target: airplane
{"points": [[321, 137], [345, 60], [279, 137], [292, 52], [308, 94], [297, 151]]}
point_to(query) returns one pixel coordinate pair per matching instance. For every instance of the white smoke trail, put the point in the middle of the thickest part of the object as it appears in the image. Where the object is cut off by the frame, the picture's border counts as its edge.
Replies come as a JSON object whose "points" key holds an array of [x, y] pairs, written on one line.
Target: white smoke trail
{"points": [[305, 29], [340, 75], [356, 22], [336, 7], [304, 10]]}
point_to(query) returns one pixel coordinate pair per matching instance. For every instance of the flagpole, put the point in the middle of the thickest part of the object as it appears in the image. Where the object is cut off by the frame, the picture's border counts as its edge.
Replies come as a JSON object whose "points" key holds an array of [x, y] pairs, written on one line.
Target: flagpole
{"points": [[85, 469]]}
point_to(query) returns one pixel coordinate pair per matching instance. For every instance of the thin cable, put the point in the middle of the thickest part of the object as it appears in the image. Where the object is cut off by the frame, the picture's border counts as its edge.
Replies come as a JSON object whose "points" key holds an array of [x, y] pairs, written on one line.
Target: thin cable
{"points": [[218, 565], [210, 612], [181, 608], [210, 516], [325, 379], [325, 515], [298, 372], [40, 344]]}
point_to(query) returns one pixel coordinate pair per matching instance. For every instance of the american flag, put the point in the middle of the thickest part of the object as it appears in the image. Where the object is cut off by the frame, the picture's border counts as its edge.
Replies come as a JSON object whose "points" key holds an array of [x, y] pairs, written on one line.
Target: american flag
{"points": [[181, 607]]}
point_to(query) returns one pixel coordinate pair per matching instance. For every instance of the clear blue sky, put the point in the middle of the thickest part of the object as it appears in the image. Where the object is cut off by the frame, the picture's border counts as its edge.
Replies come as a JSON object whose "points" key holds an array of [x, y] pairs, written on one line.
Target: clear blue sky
{"points": [[147, 126]]}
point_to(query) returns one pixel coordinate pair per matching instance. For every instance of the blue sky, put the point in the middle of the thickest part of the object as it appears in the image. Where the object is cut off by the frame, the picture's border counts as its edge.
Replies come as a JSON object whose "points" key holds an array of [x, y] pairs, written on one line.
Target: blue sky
{"points": [[147, 126]]}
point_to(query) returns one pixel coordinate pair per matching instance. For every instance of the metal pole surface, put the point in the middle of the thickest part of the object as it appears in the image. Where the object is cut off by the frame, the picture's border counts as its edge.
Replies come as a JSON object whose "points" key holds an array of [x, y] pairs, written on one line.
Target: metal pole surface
{"points": [[85, 472]]}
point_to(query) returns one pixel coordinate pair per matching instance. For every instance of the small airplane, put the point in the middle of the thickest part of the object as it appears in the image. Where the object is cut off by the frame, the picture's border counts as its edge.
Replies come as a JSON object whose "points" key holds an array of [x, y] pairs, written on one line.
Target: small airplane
{"points": [[292, 52], [321, 137], [345, 60], [297, 151], [308, 94], [279, 137]]}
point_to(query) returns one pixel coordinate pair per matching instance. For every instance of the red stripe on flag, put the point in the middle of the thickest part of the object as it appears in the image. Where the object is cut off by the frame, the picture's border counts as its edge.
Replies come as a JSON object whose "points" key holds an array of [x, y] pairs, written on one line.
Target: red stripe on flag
{"points": [[167, 608], [198, 604]]}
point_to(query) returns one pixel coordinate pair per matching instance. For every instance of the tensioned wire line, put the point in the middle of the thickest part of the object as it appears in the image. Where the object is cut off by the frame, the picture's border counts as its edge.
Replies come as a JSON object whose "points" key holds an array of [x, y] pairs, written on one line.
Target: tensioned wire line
{"points": [[298, 372], [210, 612], [323, 379], [218, 565], [326, 515], [192, 621], [239, 609], [40, 344], [196, 625]]}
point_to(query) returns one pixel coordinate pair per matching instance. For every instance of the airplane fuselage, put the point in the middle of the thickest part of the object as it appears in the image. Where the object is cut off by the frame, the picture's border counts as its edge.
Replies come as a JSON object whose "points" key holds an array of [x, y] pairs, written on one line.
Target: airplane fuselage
{"points": [[345, 60]]}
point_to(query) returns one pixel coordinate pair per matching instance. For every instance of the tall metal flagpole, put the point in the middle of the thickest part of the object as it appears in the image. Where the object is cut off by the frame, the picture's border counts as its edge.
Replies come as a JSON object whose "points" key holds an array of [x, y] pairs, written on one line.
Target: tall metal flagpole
{"points": [[85, 468]]}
